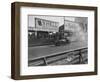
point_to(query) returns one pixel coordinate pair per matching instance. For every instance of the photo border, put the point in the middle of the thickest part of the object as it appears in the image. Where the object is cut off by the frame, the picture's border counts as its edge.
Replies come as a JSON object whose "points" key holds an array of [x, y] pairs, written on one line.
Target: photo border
{"points": [[15, 39]]}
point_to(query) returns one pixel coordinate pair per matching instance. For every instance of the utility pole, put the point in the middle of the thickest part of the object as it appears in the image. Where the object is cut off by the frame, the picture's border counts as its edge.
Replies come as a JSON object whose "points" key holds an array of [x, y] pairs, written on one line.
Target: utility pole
{"points": [[64, 27]]}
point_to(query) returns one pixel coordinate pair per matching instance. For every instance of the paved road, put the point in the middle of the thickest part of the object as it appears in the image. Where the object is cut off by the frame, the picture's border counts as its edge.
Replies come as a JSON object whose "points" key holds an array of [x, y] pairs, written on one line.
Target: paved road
{"points": [[38, 51]]}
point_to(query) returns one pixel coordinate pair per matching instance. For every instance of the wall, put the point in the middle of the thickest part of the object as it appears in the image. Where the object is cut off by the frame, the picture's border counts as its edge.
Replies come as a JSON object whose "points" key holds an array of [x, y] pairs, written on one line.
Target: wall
{"points": [[5, 40]]}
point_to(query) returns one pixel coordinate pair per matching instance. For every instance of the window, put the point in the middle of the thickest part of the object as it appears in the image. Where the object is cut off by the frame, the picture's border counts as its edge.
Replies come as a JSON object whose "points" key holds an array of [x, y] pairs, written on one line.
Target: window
{"points": [[39, 22]]}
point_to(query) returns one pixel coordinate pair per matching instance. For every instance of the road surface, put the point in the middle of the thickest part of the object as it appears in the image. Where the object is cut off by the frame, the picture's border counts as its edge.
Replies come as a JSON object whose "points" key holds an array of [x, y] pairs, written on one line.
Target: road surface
{"points": [[39, 51]]}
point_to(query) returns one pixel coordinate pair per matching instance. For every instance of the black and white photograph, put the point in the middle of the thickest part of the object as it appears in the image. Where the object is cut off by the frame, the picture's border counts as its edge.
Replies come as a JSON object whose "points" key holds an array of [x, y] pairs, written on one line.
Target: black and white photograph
{"points": [[50, 40], [57, 40]]}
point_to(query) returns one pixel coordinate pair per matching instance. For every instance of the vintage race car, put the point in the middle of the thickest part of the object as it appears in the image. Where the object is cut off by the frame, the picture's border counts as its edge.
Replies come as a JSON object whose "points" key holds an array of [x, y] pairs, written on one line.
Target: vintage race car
{"points": [[61, 42]]}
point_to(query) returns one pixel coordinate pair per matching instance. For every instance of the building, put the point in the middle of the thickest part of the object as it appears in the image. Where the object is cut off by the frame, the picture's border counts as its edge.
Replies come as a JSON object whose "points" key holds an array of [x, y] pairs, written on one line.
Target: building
{"points": [[77, 29], [83, 21], [61, 31], [44, 31]]}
